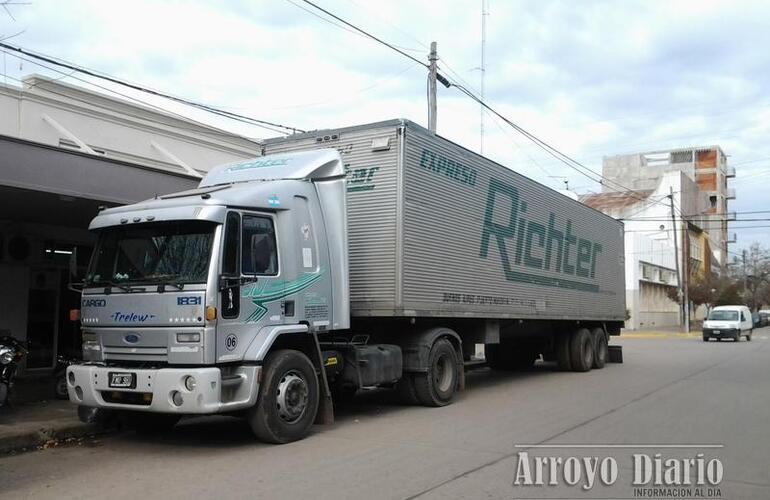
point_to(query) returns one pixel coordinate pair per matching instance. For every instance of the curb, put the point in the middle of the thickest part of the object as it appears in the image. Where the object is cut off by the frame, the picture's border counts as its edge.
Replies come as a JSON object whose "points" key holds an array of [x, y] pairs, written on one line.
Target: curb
{"points": [[50, 437], [657, 335]]}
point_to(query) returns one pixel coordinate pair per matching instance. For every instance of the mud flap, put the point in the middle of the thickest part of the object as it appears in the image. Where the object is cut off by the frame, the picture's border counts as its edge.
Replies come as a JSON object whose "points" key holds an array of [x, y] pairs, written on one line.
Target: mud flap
{"points": [[615, 353], [325, 414]]}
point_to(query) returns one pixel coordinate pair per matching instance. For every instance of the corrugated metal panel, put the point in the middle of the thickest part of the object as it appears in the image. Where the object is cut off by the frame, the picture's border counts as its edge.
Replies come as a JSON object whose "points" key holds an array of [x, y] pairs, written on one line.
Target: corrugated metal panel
{"points": [[447, 190], [441, 217], [372, 190]]}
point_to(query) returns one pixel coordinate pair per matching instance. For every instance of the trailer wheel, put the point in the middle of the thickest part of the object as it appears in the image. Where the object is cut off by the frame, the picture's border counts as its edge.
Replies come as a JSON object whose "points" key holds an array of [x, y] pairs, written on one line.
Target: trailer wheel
{"points": [[288, 398], [437, 386], [562, 349], [582, 350], [600, 348]]}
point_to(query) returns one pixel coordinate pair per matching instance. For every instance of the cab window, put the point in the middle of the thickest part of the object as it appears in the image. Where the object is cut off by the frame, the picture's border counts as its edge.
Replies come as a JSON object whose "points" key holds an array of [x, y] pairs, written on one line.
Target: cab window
{"points": [[259, 255]]}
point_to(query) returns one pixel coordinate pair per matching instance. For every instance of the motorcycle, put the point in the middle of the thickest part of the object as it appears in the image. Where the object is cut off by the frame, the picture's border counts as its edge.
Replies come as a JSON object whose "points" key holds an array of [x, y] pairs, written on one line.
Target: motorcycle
{"points": [[11, 352], [60, 376]]}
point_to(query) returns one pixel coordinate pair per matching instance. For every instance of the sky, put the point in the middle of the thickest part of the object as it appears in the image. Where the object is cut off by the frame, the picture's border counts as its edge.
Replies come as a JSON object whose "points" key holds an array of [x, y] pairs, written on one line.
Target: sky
{"points": [[592, 78]]}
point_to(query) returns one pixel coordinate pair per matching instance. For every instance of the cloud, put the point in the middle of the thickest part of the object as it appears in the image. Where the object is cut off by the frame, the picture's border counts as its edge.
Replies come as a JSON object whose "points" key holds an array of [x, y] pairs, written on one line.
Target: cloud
{"points": [[592, 78]]}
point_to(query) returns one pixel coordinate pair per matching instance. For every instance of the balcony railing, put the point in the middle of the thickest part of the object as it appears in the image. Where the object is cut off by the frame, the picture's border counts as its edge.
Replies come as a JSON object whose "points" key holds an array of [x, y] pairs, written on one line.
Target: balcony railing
{"points": [[730, 172], [730, 194]]}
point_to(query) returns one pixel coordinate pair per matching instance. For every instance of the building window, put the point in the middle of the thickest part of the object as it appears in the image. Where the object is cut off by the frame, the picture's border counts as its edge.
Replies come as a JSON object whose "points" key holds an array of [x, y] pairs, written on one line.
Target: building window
{"points": [[713, 201]]}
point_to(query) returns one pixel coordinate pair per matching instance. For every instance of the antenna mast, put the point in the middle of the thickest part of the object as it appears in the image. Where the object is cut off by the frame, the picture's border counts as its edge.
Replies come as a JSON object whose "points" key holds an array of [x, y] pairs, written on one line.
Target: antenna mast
{"points": [[484, 14]]}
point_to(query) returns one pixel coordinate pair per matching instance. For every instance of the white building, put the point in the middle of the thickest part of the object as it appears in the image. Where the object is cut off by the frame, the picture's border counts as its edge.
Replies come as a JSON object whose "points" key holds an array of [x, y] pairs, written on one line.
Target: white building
{"points": [[64, 151], [655, 243]]}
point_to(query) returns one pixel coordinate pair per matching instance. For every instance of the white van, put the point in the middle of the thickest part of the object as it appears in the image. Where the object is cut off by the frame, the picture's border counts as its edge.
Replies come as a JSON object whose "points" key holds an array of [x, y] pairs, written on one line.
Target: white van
{"points": [[728, 322]]}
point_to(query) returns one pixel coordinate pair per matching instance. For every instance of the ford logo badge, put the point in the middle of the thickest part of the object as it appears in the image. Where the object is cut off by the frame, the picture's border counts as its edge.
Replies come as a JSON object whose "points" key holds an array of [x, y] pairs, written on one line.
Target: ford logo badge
{"points": [[131, 338]]}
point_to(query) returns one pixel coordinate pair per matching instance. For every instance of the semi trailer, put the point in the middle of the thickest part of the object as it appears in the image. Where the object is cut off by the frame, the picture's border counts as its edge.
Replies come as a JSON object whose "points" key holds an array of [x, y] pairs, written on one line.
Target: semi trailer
{"points": [[378, 255]]}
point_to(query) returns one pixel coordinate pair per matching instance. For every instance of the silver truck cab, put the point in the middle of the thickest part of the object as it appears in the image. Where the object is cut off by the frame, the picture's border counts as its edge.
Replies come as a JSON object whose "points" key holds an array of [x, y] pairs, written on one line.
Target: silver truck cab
{"points": [[187, 293]]}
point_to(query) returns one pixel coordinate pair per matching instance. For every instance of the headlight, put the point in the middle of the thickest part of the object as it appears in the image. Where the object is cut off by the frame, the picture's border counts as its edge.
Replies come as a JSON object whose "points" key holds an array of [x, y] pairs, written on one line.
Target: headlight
{"points": [[6, 355]]}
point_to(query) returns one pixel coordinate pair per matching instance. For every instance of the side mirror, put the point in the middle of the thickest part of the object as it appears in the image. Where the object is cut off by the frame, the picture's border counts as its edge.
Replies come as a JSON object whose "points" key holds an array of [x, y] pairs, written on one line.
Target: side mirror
{"points": [[76, 283]]}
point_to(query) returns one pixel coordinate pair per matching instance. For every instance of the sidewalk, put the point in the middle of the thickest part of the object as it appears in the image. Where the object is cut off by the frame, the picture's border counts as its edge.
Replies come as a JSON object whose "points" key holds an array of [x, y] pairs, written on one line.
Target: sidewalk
{"points": [[660, 332], [36, 420]]}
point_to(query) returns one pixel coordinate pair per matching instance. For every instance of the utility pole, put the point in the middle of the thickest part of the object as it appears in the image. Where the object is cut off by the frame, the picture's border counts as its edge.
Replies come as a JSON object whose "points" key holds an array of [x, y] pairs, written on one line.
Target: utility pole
{"points": [[484, 14], [686, 274], [432, 58], [745, 276], [676, 255]]}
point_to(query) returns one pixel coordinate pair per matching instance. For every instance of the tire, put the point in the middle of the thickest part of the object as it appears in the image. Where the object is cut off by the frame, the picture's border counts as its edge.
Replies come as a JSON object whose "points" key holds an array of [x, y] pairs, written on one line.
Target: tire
{"points": [[437, 386], [581, 349], [737, 337], [60, 388], [600, 348], [748, 337], [288, 398], [148, 423], [705, 338], [563, 351], [406, 391]]}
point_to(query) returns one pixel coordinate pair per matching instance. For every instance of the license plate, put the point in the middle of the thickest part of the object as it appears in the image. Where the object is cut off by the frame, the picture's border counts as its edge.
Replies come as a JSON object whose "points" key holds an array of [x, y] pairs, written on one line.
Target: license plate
{"points": [[122, 380], [717, 332]]}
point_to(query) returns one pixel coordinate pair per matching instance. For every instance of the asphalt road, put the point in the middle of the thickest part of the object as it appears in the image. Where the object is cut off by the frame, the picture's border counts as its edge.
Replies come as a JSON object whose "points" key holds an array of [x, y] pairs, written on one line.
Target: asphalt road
{"points": [[670, 391]]}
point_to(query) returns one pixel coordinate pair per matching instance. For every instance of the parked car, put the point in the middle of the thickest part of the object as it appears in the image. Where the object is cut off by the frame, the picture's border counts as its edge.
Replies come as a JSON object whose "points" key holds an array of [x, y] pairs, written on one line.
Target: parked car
{"points": [[756, 320], [764, 316], [728, 322]]}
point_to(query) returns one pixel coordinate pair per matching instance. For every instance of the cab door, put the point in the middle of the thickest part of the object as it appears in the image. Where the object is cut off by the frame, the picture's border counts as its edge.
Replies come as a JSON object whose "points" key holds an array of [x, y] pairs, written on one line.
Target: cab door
{"points": [[251, 285]]}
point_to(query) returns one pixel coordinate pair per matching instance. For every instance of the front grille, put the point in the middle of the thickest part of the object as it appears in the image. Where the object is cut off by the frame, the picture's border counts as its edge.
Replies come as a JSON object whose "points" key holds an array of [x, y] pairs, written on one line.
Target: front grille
{"points": [[136, 353], [128, 398]]}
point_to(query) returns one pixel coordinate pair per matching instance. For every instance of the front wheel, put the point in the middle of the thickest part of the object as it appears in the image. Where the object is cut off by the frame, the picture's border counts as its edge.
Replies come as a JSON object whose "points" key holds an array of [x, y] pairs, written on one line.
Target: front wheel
{"points": [[437, 386], [288, 398], [748, 337]]}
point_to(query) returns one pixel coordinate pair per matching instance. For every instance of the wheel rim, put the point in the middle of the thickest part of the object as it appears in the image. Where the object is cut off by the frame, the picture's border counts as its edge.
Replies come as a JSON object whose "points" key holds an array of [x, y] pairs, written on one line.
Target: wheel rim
{"points": [[443, 373], [291, 397]]}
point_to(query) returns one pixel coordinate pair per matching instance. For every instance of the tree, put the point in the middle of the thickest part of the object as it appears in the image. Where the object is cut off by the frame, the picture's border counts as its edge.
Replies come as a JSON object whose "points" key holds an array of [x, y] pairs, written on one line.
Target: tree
{"points": [[755, 272]]}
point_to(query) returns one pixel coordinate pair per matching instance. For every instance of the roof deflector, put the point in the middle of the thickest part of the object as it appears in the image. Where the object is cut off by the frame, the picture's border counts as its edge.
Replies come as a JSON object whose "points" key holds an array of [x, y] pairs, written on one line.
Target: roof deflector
{"points": [[308, 165]]}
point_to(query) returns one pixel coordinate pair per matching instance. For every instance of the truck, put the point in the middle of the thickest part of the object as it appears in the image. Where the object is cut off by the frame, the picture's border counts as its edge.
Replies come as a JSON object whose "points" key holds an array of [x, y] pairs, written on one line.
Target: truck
{"points": [[379, 255]]}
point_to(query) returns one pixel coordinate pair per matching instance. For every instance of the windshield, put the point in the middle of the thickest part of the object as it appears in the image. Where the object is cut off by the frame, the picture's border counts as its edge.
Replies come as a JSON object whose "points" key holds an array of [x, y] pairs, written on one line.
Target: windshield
{"points": [[177, 251], [723, 316]]}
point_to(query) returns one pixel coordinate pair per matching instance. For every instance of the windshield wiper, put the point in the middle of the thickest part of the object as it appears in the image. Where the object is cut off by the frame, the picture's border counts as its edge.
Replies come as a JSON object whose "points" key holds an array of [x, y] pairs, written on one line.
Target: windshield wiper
{"points": [[176, 284], [108, 285]]}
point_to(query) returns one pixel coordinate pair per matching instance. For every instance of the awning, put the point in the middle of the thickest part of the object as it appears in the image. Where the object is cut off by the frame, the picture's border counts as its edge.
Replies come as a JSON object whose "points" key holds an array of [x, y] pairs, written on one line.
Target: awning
{"points": [[39, 167]]}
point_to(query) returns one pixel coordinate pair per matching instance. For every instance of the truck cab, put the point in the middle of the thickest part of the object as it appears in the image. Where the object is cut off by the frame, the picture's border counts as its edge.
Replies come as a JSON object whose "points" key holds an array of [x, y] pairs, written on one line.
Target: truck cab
{"points": [[188, 295]]}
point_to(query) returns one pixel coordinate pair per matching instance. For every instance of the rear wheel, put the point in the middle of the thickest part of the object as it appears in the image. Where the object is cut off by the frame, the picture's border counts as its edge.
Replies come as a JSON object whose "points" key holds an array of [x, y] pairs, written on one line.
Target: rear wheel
{"points": [[288, 398], [582, 350], [600, 348], [437, 386]]}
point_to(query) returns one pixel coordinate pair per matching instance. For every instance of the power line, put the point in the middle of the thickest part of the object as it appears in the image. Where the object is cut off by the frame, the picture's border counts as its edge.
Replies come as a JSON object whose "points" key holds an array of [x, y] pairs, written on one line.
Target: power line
{"points": [[111, 79], [366, 33]]}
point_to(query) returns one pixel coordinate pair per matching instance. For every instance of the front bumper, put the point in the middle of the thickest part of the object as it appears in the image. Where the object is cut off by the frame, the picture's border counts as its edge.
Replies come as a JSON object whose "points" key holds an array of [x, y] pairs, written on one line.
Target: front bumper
{"points": [[163, 390], [720, 332]]}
